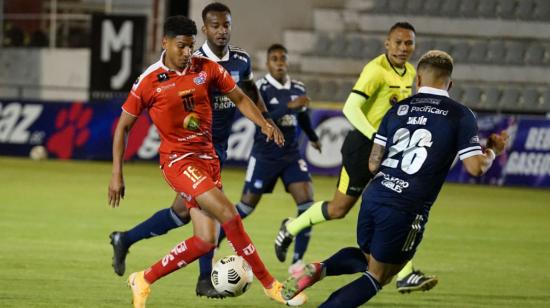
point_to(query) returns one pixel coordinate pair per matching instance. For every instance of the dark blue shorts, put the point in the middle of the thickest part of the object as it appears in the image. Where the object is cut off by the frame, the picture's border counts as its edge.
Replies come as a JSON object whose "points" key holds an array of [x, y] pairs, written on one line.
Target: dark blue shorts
{"points": [[262, 175], [390, 235]]}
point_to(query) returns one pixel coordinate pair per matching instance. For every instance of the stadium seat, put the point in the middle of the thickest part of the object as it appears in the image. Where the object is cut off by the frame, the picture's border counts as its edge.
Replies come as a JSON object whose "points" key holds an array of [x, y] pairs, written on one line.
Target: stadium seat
{"points": [[456, 93], [496, 51], [490, 98], [450, 8], [515, 53], [487, 8], [531, 99], [328, 90], [545, 103], [422, 47], [535, 54], [338, 46], [432, 7], [542, 10], [468, 8], [322, 45], [460, 51], [525, 9], [313, 87], [478, 52], [397, 7], [510, 99], [381, 6], [414, 7], [373, 47], [355, 47], [362, 5], [444, 45], [506, 9], [472, 97], [344, 89]]}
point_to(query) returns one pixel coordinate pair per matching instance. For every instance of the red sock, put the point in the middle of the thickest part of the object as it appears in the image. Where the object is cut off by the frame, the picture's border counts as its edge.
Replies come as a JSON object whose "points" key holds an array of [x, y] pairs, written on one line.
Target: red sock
{"points": [[243, 246], [181, 255]]}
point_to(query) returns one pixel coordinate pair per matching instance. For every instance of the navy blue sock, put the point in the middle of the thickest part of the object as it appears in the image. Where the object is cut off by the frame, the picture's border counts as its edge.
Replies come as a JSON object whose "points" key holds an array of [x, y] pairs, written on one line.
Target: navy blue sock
{"points": [[349, 260], [158, 224], [354, 294], [302, 238], [205, 261]]}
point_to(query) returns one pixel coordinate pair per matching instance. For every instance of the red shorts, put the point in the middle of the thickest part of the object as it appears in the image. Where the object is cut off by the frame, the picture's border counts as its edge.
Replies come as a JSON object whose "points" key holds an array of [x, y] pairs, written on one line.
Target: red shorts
{"points": [[192, 176]]}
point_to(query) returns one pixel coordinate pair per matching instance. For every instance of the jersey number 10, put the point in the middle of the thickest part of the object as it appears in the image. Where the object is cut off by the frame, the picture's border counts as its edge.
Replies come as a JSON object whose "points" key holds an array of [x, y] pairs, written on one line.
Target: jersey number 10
{"points": [[413, 148]]}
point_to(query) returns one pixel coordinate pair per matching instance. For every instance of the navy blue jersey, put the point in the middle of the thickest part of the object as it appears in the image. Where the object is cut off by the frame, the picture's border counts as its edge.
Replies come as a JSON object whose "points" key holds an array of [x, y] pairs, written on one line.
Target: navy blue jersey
{"points": [[237, 63], [422, 135], [276, 97]]}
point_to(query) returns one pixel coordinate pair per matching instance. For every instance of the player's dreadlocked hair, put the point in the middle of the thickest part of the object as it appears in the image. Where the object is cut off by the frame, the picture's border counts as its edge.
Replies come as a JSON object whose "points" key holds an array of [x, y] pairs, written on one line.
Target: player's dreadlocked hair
{"points": [[440, 62], [215, 7], [276, 47], [402, 25], [179, 25]]}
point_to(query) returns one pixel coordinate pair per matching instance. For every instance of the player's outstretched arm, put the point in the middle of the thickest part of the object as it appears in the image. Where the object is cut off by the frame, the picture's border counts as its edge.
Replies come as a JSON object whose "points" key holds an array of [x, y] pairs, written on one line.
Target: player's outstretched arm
{"points": [[249, 110], [479, 164], [116, 185]]}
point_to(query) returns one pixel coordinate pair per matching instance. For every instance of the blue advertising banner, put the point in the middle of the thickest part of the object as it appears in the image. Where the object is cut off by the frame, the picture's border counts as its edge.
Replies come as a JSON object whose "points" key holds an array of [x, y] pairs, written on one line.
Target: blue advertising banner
{"points": [[85, 130]]}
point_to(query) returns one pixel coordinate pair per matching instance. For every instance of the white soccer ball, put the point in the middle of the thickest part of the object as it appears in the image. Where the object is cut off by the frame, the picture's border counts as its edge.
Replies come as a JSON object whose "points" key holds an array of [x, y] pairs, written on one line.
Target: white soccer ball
{"points": [[38, 153], [231, 276]]}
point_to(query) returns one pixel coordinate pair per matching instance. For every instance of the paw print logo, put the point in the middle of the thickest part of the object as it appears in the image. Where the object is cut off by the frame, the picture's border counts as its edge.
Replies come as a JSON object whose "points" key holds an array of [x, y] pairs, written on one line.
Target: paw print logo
{"points": [[72, 131]]}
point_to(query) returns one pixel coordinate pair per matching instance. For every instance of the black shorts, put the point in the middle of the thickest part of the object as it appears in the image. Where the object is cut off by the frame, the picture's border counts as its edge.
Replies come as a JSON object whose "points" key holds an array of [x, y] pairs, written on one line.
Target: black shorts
{"points": [[355, 174]]}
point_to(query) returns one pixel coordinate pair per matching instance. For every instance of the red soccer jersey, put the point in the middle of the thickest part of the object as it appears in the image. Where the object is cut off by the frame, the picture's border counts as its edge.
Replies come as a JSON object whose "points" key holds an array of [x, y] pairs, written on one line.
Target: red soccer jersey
{"points": [[179, 104]]}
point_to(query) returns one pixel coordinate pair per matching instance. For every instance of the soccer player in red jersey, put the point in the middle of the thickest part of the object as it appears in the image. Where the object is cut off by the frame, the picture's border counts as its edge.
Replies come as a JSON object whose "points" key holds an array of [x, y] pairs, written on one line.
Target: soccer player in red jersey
{"points": [[175, 93]]}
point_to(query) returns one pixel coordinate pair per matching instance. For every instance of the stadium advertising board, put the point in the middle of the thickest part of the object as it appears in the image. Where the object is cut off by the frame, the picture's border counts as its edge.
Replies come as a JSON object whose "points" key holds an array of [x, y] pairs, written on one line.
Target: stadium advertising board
{"points": [[526, 161], [85, 131], [117, 57]]}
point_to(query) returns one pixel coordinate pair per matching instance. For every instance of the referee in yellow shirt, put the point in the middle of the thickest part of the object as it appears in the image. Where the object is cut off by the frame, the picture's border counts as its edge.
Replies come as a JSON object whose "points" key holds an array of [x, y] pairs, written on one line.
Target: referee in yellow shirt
{"points": [[383, 82]]}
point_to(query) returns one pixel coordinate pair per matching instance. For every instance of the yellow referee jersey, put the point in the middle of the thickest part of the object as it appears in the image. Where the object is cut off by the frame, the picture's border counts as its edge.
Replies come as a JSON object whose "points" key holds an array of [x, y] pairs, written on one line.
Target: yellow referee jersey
{"points": [[379, 86]]}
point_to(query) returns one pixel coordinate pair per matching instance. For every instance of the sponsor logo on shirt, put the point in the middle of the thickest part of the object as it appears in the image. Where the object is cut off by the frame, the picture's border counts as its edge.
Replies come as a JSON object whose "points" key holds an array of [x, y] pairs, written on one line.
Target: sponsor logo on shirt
{"points": [[287, 120], [426, 100], [430, 109], [235, 76], [162, 77], [274, 101], [474, 139], [200, 79], [394, 183], [192, 122], [168, 86], [222, 102], [403, 110]]}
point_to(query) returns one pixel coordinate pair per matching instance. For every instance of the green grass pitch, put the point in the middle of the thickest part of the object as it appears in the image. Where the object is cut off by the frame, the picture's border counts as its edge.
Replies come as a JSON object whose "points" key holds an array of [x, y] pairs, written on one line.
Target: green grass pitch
{"points": [[489, 246]]}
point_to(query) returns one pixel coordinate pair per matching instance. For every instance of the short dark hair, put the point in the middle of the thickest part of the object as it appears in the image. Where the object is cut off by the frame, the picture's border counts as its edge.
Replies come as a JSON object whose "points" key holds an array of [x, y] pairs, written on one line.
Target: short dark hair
{"points": [[276, 47], [440, 62], [215, 7], [179, 25], [402, 25]]}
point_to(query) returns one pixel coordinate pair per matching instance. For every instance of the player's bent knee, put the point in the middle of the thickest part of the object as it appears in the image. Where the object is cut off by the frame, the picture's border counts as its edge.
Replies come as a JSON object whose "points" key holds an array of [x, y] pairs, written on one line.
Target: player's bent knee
{"points": [[202, 245], [206, 239]]}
